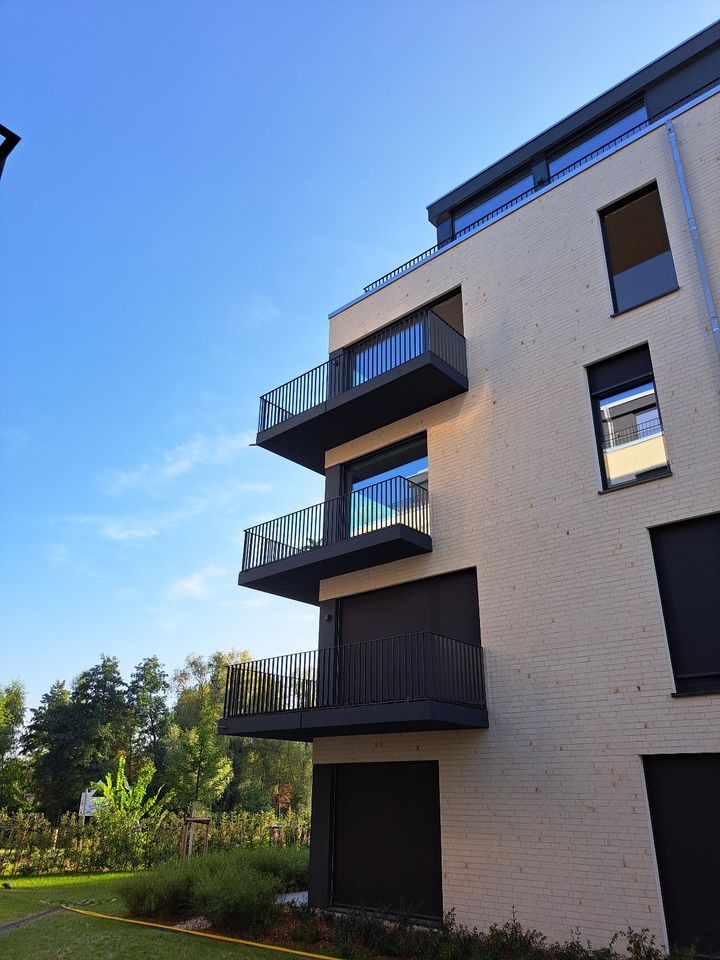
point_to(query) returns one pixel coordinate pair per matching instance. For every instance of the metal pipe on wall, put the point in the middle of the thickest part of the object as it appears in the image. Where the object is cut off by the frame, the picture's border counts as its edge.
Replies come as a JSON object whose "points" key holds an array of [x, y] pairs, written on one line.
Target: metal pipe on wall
{"points": [[692, 226]]}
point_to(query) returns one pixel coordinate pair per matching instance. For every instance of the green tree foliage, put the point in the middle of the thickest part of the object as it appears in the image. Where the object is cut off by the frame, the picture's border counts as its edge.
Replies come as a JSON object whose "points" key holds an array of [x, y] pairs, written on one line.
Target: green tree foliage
{"points": [[129, 818], [75, 736], [265, 769], [132, 802], [150, 716], [198, 766], [202, 678], [13, 770], [50, 741]]}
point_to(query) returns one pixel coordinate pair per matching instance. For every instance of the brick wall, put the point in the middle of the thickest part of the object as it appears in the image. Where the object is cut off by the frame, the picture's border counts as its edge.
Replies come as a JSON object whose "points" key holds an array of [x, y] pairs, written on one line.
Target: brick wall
{"points": [[546, 810]]}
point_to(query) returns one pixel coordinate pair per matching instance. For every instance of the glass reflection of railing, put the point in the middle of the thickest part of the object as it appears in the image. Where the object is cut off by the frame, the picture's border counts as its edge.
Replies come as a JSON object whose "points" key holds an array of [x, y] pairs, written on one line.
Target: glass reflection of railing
{"points": [[641, 431], [392, 501], [389, 348]]}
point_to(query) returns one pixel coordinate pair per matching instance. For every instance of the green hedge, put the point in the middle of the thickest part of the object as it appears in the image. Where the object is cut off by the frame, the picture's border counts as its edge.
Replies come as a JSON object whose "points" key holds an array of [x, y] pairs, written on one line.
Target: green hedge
{"points": [[31, 845]]}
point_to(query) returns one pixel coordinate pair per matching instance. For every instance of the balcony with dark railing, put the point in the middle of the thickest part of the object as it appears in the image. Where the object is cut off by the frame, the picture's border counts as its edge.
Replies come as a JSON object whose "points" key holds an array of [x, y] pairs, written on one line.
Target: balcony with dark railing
{"points": [[382, 522], [405, 367], [419, 681]]}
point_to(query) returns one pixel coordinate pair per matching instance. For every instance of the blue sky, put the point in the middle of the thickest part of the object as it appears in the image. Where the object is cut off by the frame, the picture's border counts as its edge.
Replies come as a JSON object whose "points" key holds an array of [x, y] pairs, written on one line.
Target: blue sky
{"points": [[198, 185]]}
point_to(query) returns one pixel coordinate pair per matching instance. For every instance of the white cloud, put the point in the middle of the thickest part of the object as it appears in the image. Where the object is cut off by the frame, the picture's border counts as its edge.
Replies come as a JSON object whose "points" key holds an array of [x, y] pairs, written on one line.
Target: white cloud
{"points": [[178, 461], [61, 556], [142, 526], [198, 585]]}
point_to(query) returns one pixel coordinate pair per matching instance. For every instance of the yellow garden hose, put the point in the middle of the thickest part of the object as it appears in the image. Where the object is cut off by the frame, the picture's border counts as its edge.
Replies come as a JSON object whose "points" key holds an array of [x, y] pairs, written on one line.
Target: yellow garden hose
{"points": [[198, 933]]}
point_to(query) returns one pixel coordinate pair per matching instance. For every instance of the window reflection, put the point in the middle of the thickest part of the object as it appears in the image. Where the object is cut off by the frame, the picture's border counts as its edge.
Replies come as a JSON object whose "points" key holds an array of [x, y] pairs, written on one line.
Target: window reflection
{"points": [[389, 486], [596, 140], [632, 434], [482, 207]]}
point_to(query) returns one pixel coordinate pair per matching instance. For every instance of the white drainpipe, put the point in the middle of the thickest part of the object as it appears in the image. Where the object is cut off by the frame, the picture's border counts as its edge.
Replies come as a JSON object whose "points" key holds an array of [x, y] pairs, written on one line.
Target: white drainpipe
{"points": [[712, 312]]}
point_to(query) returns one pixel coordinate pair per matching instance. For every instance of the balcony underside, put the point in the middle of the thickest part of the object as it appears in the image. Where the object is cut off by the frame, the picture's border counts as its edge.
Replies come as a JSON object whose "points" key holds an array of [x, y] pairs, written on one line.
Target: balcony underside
{"points": [[412, 716], [413, 386], [298, 577]]}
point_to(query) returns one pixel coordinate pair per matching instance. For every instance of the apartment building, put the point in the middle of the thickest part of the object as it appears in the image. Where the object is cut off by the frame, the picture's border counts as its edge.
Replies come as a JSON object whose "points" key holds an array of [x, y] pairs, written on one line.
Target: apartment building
{"points": [[514, 701]]}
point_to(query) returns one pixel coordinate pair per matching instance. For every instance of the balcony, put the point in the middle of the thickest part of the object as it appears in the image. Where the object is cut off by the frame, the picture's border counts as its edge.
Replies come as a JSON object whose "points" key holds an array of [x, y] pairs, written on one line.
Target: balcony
{"points": [[290, 555], [407, 367], [420, 681]]}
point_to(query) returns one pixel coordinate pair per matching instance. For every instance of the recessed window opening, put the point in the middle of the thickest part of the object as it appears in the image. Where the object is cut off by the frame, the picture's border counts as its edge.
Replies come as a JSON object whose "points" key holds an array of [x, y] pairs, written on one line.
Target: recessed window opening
{"points": [[592, 141], [637, 248], [388, 486], [627, 418], [481, 206], [687, 562]]}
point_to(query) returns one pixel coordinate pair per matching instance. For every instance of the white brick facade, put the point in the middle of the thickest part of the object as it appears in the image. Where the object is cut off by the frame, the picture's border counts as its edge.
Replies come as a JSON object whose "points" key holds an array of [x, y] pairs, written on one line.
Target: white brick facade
{"points": [[546, 810]]}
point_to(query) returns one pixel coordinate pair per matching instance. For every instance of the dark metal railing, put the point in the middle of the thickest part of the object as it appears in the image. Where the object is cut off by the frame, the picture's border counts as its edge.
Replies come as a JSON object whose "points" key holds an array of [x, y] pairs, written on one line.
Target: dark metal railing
{"points": [[379, 505], [415, 666], [651, 428], [385, 350], [504, 208]]}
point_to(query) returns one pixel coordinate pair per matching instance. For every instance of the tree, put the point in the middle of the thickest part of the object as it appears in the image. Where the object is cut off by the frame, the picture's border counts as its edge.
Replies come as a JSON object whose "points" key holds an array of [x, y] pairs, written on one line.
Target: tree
{"points": [[132, 802], [198, 766], [147, 695], [50, 740], [202, 677], [101, 700], [13, 779], [128, 817], [265, 769], [75, 737]]}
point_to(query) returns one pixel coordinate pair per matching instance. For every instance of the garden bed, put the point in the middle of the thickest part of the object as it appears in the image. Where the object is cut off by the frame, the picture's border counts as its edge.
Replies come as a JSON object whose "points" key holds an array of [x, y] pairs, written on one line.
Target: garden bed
{"points": [[237, 895]]}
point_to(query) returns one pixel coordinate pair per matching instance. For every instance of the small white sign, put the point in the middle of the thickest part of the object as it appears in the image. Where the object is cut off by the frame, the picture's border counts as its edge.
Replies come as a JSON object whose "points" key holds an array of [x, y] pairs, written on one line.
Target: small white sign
{"points": [[89, 803]]}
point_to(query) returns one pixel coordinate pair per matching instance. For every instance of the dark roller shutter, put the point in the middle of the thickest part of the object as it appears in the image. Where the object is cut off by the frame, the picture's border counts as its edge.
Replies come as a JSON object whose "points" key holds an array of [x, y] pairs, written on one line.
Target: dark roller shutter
{"points": [[446, 605], [684, 795], [687, 560], [386, 852]]}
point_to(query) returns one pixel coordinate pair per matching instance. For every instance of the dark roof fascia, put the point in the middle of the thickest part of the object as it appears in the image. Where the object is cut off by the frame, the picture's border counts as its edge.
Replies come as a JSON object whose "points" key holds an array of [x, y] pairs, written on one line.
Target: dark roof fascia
{"points": [[612, 101]]}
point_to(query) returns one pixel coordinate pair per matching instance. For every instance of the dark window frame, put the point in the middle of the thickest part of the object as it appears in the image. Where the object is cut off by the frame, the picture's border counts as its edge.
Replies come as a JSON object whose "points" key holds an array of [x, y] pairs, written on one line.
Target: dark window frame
{"points": [[347, 467], [603, 213], [609, 390]]}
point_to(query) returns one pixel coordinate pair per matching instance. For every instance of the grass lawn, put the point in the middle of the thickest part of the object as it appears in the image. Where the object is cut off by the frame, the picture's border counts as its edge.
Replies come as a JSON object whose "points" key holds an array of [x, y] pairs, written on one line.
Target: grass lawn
{"points": [[62, 936], [96, 892]]}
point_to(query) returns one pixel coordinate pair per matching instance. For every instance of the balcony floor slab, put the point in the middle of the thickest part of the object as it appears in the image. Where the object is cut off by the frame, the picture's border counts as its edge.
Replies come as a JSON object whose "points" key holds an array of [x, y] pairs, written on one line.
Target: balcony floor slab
{"points": [[413, 386], [298, 577], [409, 716]]}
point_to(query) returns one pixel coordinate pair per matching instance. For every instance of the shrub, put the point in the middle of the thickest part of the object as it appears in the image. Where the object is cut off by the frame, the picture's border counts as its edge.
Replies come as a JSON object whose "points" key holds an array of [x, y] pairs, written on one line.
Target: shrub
{"points": [[163, 891], [237, 897], [237, 889], [289, 864]]}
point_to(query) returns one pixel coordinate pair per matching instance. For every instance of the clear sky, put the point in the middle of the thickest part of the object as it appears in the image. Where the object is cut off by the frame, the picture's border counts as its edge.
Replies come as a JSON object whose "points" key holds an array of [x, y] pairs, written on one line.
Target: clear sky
{"points": [[198, 185]]}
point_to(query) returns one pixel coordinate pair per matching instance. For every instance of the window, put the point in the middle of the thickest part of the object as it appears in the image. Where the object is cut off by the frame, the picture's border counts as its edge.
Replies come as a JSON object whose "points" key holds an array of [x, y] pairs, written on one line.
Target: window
{"points": [[481, 206], [627, 418], [389, 486], [687, 562], [591, 142], [638, 253]]}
